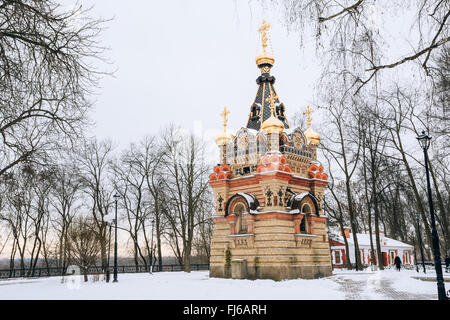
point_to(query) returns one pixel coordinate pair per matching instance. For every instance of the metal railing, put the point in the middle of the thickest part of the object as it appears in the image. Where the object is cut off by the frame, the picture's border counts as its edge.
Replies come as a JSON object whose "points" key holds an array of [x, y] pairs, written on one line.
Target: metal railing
{"points": [[59, 271]]}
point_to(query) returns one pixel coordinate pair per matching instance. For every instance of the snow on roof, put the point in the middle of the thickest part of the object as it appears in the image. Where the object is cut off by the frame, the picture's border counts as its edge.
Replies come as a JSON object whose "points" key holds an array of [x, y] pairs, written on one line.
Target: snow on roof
{"points": [[364, 240], [300, 196], [253, 131], [250, 199]]}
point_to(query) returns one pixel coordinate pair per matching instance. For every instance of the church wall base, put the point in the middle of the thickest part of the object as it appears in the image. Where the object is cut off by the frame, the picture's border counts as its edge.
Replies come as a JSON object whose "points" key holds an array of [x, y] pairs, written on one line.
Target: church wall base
{"points": [[276, 273]]}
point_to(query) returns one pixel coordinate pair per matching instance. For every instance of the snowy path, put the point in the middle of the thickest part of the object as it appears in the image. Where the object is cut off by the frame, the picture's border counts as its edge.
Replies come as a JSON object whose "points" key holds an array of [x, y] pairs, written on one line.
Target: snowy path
{"points": [[343, 285], [383, 286]]}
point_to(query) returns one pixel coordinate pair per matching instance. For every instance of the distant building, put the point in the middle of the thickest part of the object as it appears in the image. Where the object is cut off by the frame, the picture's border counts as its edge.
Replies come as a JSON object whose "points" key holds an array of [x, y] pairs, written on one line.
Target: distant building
{"points": [[390, 248]]}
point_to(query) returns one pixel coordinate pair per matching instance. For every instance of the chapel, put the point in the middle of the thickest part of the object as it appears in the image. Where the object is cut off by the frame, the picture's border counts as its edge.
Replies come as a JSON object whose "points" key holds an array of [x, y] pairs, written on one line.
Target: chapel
{"points": [[268, 188]]}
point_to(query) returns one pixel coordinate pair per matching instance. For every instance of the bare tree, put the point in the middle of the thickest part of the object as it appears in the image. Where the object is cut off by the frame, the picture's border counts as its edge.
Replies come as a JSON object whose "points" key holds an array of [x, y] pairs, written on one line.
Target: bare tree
{"points": [[398, 110], [65, 195], [17, 212], [129, 182], [40, 215], [84, 244], [93, 163], [151, 158], [437, 110], [336, 208], [347, 30], [343, 145], [373, 146], [203, 234], [46, 77], [186, 184]]}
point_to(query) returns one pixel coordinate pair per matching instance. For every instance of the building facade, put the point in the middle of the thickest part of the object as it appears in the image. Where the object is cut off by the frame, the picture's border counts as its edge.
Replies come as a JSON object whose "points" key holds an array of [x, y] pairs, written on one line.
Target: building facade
{"points": [[390, 249], [268, 187]]}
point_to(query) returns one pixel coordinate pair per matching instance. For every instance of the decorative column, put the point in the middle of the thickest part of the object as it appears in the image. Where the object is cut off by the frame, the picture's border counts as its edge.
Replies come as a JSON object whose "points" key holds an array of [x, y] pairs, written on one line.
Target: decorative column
{"points": [[297, 221]]}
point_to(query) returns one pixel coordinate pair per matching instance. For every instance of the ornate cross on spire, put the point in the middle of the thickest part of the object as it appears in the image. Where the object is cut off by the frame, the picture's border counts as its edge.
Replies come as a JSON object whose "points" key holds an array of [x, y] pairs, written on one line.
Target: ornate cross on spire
{"points": [[224, 115], [271, 100], [263, 30], [308, 114]]}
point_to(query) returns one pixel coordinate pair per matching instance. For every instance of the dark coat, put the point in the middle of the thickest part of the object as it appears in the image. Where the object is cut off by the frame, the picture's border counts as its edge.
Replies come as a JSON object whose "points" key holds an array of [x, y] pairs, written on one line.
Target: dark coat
{"points": [[397, 261]]}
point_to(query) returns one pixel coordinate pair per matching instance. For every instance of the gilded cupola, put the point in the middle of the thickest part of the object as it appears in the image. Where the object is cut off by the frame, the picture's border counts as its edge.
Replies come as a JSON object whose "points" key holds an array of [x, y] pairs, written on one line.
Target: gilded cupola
{"points": [[272, 124], [310, 134], [224, 137]]}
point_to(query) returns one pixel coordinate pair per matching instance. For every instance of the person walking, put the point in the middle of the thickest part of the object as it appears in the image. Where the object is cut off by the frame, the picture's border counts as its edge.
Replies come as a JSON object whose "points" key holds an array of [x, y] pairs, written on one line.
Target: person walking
{"points": [[397, 263], [447, 264]]}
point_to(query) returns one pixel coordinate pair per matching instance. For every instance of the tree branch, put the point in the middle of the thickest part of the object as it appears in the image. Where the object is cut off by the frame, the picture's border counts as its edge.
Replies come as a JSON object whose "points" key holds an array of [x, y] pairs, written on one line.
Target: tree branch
{"points": [[348, 9]]}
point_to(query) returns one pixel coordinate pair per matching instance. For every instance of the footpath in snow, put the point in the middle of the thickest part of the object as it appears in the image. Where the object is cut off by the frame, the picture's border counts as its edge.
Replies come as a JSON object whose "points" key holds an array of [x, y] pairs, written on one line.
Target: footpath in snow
{"points": [[343, 285]]}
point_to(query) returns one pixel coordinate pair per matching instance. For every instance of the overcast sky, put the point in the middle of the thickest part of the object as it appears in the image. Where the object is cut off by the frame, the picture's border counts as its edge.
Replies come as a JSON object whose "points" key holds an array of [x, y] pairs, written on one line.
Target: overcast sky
{"points": [[182, 61]]}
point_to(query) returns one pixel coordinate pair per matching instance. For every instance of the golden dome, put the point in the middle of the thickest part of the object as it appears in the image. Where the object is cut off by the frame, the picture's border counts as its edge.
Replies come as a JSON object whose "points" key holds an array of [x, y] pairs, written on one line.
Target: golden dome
{"points": [[272, 125], [223, 138], [312, 136], [265, 58]]}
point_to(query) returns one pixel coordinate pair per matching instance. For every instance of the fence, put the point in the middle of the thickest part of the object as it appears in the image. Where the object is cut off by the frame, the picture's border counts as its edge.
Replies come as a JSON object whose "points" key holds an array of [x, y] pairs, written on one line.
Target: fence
{"points": [[57, 271]]}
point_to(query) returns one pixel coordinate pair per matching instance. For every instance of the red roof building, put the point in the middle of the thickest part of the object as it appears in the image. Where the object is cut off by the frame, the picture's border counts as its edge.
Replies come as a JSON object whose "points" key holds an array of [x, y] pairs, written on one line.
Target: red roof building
{"points": [[390, 248]]}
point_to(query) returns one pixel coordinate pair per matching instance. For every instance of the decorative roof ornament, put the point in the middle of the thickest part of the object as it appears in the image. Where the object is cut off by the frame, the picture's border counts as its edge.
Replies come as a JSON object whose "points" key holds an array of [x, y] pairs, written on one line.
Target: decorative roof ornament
{"points": [[310, 134], [260, 110], [263, 30], [309, 111], [272, 124], [223, 137], [271, 99], [265, 59], [224, 114]]}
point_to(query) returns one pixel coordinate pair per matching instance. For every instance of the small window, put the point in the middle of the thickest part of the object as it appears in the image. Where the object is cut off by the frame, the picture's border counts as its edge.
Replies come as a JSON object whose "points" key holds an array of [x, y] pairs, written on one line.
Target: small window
{"points": [[303, 225], [306, 210], [241, 225], [337, 256]]}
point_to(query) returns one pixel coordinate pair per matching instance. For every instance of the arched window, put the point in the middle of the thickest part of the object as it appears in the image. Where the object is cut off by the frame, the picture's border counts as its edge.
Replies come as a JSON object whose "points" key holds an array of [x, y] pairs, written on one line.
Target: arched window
{"points": [[241, 226], [306, 210]]}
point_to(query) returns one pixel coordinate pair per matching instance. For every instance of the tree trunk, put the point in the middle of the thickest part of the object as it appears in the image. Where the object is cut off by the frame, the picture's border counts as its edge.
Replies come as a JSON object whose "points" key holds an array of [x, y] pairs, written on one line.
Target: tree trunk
{"points": [[103, 250], [443, 212], [419, 204], [187, 259], [353, 226], [12, 256], [377, 238], [158, 244]]}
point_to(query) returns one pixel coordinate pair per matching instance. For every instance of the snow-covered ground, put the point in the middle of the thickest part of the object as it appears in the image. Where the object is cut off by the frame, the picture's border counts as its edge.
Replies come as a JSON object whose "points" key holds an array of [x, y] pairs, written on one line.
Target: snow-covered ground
{"points": [[388, 284]]}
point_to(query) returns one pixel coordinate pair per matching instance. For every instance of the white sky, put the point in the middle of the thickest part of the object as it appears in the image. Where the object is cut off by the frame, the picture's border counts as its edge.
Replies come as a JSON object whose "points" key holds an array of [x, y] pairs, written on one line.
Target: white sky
{"points": [[183, 61]]}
